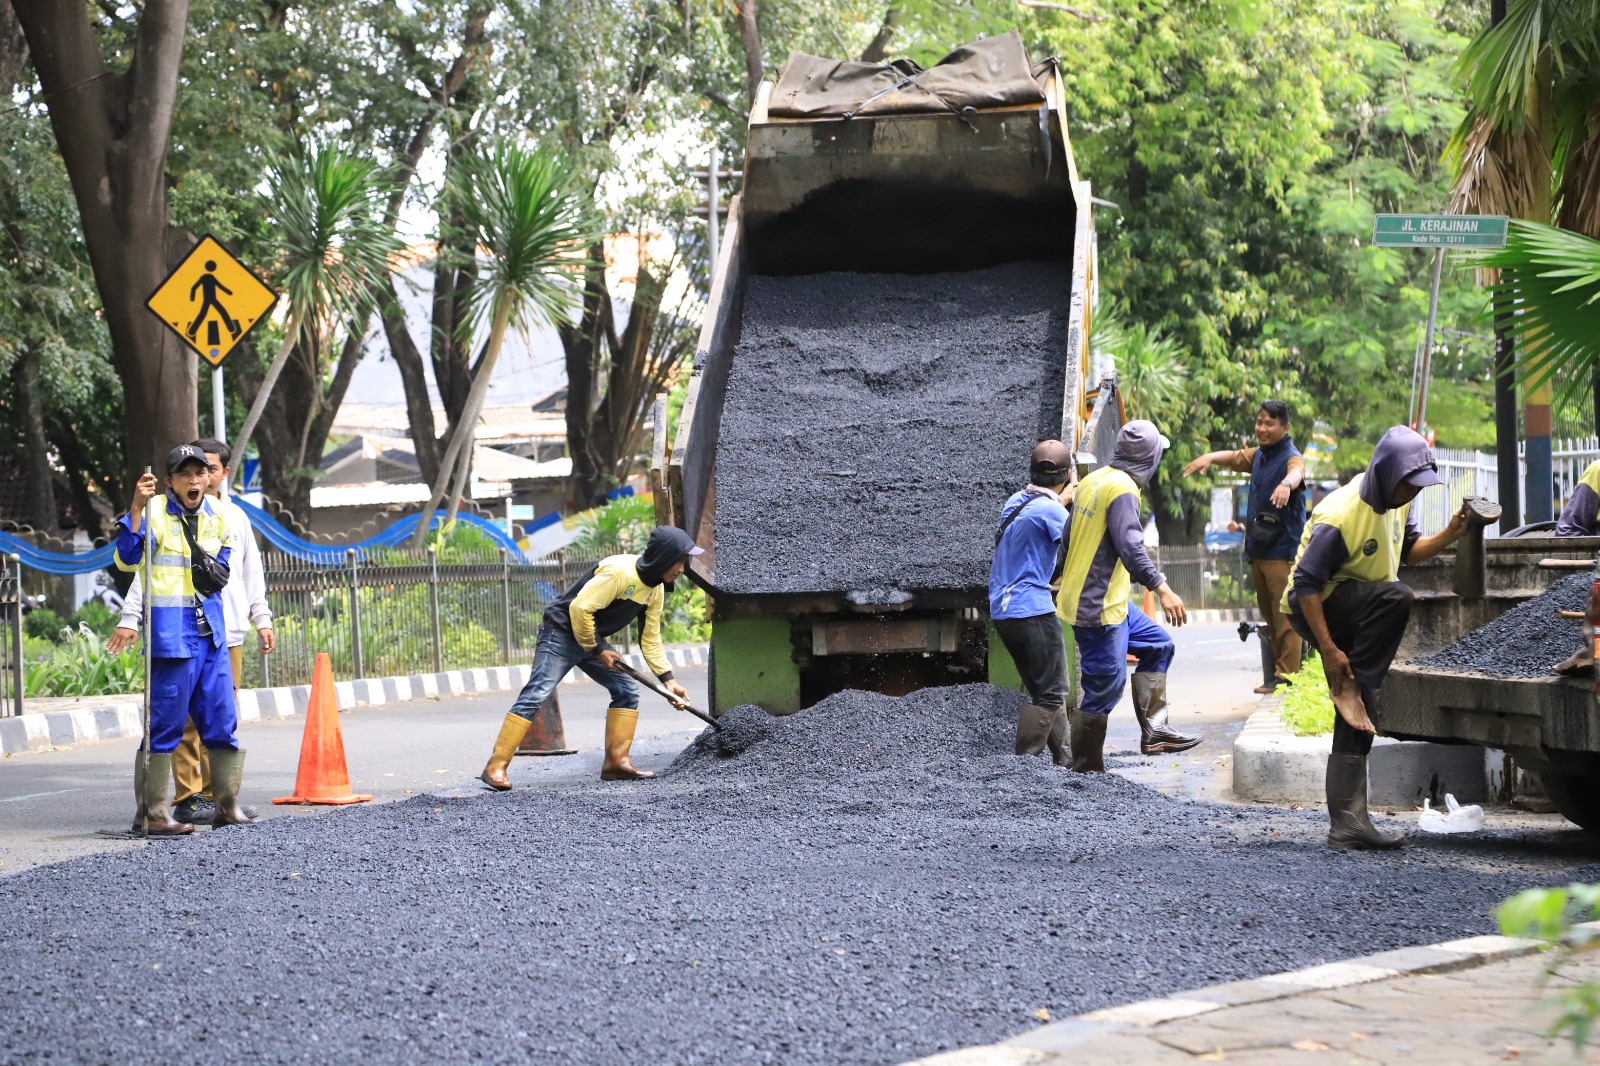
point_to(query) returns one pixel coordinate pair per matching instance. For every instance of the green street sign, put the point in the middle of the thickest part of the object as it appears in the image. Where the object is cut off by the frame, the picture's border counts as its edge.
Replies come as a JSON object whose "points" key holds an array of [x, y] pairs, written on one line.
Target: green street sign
{"points": [[1440, 231]]}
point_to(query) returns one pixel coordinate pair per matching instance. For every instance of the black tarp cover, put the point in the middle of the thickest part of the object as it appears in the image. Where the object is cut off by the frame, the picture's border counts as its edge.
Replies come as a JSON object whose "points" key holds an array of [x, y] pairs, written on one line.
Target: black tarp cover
{"points": [[994, 72]]}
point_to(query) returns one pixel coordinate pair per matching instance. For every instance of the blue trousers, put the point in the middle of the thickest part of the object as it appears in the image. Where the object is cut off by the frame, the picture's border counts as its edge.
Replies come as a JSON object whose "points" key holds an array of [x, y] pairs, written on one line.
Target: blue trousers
{"points": [[1103, 657], [199, 687], [558, 651]]}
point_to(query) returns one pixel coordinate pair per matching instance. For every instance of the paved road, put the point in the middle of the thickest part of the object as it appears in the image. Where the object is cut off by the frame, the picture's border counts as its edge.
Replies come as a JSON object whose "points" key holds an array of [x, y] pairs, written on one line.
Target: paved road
{"points": [[52, 802]]}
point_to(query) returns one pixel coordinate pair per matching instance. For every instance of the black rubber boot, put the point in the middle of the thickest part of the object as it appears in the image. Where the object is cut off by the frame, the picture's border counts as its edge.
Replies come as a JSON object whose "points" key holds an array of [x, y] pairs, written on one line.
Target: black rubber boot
{"points": [[1349, 824], [1056, 739], [196, 810], [1033, 728], [1089, 742], [1156, 737], [150, 776], [227, 776]]}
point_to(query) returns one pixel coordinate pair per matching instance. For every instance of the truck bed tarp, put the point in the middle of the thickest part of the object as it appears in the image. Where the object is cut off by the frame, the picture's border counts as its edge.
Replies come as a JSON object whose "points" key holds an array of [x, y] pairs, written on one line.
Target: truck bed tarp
{"points": [[990, 73]]}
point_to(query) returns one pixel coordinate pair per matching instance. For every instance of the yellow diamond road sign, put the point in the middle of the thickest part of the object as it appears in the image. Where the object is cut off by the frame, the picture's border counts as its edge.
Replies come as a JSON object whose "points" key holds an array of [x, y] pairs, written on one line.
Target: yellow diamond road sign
{"points": [[212, 301]]}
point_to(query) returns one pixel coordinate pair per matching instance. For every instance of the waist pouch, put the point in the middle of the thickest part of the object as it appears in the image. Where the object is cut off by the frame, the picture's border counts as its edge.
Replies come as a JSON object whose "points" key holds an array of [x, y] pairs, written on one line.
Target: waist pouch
{"points": [[1263, 530], [210, 574]]}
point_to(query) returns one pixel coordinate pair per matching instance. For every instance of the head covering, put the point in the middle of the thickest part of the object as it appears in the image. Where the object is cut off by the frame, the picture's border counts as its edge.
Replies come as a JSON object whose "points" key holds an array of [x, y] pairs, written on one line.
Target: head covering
{"points": [[1050, 463], [666, 546], [1401, 456], [185, 453], [1139, 449]]}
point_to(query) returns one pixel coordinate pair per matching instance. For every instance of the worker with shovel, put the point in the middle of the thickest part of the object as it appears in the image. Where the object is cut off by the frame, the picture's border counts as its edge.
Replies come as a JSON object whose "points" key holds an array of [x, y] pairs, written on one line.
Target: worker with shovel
{"points": [[1345, 597], [1104, 547], [605, 600]]}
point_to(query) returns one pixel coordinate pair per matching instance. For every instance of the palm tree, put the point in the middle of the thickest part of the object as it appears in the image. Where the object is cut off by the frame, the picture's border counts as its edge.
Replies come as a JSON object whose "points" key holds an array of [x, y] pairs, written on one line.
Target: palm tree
{"points": [[333, 248], [1552, 277], [529, 231], [1149, 362]]}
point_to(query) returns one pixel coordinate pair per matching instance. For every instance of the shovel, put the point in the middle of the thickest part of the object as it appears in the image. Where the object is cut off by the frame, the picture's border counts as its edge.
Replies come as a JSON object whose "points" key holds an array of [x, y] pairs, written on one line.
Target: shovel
{"points": [[655, 686]]}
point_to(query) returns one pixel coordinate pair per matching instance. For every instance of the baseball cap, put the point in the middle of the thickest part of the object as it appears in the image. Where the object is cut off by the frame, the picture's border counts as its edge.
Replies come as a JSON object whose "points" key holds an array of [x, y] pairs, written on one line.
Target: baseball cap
{"points": [[1423, 478], [183, 453]]}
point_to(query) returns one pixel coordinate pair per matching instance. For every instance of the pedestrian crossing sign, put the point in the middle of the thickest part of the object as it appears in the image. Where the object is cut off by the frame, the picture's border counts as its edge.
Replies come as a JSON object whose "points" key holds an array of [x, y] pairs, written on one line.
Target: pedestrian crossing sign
{"points": [[212, 301]]}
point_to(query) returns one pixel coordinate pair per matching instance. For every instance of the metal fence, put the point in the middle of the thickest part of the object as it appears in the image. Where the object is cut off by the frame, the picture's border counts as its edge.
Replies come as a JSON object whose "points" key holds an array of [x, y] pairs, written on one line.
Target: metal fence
{"points": [[1472, 473], [11, 662], [402, 611], [1206, 579]]}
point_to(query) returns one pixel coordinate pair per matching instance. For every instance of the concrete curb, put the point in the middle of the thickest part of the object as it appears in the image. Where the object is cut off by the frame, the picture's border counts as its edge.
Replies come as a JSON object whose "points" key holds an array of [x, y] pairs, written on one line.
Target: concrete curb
{"points": [[111, 717], [1074, 1033], [1224, 614], [1272, 765]]}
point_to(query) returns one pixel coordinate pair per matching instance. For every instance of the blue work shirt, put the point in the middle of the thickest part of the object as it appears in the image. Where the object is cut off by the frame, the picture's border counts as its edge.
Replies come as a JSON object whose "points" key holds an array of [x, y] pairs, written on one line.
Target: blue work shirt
{"points": [[174, 630], [1025, 560]]}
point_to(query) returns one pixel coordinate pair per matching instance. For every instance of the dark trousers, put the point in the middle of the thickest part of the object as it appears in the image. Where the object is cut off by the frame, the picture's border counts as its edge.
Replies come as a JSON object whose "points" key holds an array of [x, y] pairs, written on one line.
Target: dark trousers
{"points": [[1037, 647], [1366, 620]]}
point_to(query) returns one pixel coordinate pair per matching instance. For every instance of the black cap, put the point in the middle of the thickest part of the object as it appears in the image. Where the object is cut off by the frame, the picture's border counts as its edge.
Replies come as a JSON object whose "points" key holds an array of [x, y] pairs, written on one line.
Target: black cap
{"points": [[183, 453]]}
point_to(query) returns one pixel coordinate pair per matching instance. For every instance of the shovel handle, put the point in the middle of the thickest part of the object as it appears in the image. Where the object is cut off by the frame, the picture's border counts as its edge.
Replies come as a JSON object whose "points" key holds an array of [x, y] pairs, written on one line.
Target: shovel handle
{"points": [[660, 690]]}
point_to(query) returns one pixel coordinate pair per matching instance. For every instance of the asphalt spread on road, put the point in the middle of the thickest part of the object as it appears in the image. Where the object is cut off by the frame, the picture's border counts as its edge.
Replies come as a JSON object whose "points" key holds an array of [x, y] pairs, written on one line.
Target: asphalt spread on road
{"points": [[869, 881]]}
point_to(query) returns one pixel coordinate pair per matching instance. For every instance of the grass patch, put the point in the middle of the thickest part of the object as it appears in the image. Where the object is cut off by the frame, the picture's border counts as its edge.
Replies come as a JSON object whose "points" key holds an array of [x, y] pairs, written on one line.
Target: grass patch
{"points": [[1307, 709]]}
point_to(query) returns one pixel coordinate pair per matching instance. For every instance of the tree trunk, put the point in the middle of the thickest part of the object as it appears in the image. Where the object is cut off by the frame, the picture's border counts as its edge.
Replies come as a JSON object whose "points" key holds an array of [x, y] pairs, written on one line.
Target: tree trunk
{"points": [[877, 49], [112, 129], [419, 403], [274, 371], [750, 36], [39, 500], [583, 345]]}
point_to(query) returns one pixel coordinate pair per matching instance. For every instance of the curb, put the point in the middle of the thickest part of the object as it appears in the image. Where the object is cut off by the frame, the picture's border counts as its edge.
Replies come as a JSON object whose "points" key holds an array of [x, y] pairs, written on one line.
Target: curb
{"points": [[1074, 1033], [1225, 614], [121, 716], [1272, 765]]}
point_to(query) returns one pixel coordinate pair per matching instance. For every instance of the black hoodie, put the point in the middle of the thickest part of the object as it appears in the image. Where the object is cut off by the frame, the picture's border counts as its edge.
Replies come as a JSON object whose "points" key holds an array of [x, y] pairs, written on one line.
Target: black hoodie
{"points": [[666, 546]]}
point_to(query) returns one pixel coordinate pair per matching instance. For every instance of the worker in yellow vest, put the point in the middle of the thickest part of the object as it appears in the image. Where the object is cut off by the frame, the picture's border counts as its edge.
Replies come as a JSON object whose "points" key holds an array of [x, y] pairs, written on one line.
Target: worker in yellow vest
{"points": [[1345, 596], [1581, 516]]}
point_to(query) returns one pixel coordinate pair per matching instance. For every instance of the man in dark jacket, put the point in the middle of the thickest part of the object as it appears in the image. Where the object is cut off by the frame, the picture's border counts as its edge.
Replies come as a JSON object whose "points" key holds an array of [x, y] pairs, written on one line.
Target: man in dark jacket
{"points": [[1026, 567], [606, 600], [1347, 599], [1275, 518]]}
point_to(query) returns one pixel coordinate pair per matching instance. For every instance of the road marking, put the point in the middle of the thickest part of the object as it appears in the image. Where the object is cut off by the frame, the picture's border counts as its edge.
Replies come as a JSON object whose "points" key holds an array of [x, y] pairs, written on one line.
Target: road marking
{"points": [[36, 795]]}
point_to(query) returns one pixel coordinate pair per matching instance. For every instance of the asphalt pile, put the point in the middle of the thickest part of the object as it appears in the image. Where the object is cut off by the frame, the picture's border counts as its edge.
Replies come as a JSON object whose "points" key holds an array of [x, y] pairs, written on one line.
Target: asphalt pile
{"points": [[875, 423], [1527, 640], [870, 881]]}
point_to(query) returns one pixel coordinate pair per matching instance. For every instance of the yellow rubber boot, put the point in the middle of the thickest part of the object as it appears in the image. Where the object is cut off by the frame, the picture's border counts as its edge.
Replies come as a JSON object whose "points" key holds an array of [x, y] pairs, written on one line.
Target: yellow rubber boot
{"points": [[512, 730], [620, 725]]}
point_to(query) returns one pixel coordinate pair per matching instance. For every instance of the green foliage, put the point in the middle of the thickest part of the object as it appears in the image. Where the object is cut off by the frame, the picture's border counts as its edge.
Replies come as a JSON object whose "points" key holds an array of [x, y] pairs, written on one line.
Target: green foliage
{"points": [[1553, 275], [80, 666], [685, 619], [621, 527], [1554, 916], [1150, 367], [1228, 591], [43, 624], [1307, 708]]}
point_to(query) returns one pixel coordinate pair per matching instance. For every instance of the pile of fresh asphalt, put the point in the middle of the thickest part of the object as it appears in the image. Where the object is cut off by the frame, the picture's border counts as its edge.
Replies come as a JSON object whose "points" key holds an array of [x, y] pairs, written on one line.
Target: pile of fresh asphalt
{"points": [[870, 881], [1527, 640], [875, 423]]}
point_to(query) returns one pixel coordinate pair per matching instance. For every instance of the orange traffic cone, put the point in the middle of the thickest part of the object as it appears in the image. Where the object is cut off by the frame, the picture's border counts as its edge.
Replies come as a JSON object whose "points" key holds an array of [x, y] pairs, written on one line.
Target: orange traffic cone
{"points": [[547, 736], [1149, 604], [323, 776]]}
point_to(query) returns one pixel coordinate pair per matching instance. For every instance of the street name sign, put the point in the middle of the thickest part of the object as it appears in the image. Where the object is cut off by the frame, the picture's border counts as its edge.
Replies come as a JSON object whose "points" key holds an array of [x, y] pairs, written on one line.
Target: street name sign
{"points": [[1439, 231], [212, 301]]}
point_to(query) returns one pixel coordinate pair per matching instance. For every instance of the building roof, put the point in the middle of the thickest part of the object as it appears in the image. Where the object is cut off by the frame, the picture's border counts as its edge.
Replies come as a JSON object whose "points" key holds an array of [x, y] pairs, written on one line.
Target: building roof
{"points": [[498, 424]]}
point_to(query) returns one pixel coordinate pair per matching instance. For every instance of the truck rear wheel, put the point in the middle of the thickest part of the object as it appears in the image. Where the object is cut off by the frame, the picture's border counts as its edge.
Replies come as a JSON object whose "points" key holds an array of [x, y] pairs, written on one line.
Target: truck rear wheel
{"points": [[1575, 796]]}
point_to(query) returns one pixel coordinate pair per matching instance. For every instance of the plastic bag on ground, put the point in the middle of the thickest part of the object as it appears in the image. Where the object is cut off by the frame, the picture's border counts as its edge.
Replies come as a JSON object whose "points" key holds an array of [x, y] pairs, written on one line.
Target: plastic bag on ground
{"points": [[1453, 819]]}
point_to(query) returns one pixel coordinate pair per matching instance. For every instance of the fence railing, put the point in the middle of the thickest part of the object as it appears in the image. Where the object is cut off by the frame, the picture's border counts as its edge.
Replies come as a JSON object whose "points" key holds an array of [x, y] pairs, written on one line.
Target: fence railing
{"points": [[1473, 473], [12, 695], [402, 611], [1205, 579]]}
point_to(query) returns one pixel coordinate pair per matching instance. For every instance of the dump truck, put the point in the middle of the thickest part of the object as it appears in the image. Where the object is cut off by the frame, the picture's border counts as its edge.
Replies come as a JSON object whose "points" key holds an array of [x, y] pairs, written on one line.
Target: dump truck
{"points": [[900, 309], [1549, 725]]}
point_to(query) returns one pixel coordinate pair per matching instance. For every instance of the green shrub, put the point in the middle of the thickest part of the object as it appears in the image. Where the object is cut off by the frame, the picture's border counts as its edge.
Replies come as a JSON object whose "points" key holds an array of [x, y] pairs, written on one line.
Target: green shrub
{"points": [[44, 623], [97, 616], [1554, 916], [1307, 709], [81, 666], [621, 526], [684, 621]]}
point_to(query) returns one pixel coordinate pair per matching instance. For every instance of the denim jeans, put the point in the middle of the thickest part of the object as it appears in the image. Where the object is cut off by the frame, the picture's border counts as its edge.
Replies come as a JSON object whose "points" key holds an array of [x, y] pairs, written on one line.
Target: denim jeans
{"points": [[557, 653]]}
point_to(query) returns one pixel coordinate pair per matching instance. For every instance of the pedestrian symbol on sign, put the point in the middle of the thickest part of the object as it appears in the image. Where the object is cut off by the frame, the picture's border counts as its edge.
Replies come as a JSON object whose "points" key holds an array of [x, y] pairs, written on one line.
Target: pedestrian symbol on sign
{"points": [[212, 301]]}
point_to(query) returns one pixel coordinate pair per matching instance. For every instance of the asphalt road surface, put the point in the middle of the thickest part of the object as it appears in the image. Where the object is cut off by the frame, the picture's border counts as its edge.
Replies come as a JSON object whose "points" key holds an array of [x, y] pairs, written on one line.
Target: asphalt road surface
{"points": [[878, 880]]}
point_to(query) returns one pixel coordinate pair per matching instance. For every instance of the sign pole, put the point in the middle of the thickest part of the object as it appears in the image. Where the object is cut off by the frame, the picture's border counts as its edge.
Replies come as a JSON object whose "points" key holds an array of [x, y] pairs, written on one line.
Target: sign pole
{"points": [[219, 408], [1427, 341]]}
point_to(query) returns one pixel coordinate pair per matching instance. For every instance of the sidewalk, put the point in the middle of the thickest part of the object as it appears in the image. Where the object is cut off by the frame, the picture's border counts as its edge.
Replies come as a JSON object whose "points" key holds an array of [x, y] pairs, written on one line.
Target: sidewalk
{"points": [[64, 722], [1467, 1001]]}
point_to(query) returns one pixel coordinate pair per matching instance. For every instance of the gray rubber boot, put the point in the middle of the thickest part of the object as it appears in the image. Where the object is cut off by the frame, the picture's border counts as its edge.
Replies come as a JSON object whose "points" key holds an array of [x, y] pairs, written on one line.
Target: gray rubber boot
{"points": [[1089, 742], [151, 815], [1349, 824], [1056, 739], [227, 777], [1156, 737], [1033, 728]]}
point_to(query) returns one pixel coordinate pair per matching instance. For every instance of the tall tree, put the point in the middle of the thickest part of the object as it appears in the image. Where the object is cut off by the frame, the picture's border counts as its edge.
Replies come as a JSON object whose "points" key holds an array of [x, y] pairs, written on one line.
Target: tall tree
{"points": [[112, 128]]}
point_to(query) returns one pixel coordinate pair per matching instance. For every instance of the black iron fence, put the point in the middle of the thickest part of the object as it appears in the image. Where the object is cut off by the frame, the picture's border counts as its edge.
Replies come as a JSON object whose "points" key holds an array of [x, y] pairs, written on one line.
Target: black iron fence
{"points": [[403, 611], [1207, 579], [12, 694]]}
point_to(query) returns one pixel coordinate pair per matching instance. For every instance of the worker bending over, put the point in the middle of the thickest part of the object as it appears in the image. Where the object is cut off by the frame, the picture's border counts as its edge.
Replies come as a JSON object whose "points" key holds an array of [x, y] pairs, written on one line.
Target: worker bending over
{"points": [[1105, 545], [1581, 516], [606, 600], [190, 676], [1022, 579], [1346, 598]]}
